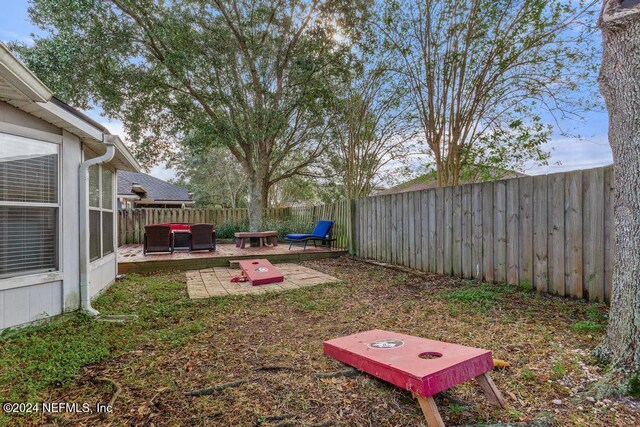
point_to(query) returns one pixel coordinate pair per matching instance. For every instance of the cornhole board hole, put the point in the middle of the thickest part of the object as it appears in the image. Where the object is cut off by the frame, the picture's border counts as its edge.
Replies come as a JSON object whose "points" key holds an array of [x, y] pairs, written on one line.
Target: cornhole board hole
{"points": [[260, 271], [422, 366]]}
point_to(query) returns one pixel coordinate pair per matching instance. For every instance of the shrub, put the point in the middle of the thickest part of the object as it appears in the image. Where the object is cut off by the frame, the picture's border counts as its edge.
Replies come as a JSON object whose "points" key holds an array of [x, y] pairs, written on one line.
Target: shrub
{"points": [[282, 226], [227, 228]]}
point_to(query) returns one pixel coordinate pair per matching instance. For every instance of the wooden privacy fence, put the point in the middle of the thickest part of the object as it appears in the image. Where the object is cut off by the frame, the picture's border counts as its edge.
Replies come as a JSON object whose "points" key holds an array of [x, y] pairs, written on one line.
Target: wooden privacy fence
{"points": [[131, 222], [552, 232]]}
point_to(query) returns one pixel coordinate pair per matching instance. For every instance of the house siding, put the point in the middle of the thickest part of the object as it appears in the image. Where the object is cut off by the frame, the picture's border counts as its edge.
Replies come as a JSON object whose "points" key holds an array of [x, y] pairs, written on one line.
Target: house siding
{"points": [[11, 115], [71, 158], [30, 303], [21, 300], [102, 275]]}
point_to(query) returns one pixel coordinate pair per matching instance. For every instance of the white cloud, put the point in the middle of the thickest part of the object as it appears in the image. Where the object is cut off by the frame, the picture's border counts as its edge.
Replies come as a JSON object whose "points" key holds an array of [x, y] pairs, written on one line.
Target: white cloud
{"points": [[571, 154], [161, 171]]}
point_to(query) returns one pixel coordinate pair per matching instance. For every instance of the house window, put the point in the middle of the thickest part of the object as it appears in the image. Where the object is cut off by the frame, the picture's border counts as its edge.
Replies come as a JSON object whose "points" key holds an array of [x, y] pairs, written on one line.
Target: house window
{"points": [[29, 206], [100, 212]]}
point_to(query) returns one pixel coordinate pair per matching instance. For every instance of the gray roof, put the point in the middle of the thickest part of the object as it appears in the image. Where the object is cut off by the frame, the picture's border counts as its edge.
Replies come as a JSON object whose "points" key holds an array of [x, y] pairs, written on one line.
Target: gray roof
{"points": [[156, 189]]}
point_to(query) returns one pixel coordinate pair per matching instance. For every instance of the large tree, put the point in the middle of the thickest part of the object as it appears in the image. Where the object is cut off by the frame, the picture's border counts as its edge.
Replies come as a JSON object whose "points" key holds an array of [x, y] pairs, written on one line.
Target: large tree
{"points": [[480, 70], [373, 132], [620, 86], [253, 76]]}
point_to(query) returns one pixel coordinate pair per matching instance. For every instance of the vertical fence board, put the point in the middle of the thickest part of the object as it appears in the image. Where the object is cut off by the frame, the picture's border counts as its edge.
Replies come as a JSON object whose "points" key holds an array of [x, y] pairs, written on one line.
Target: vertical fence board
{"points": [[513, 231], [456, 225], [540, 233], [467, 231], [417, 237], [487, 228], [448, 230], [424, 219], [439, 230], [573, 234], [389, 228], [477, 262], [356, 228], [405, 228], [410, 214], [526, 231], [433, 214], [593, 233], [500, 231], [394, 228], [556, 232]]}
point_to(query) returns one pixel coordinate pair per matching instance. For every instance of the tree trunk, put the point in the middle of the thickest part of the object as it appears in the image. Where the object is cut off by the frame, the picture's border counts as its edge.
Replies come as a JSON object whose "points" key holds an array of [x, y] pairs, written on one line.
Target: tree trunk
{"points": [[620, 87], [255, 204]]}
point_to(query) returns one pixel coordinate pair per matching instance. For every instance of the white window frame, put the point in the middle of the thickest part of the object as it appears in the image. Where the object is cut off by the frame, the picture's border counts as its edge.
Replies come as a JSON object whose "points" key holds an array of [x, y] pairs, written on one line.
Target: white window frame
{"points": [[32, 277], [102, 209]]}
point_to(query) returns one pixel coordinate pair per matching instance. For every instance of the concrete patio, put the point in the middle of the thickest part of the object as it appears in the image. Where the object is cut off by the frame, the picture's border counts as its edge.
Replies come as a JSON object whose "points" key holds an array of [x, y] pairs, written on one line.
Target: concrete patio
{"points": [[216, 281]]}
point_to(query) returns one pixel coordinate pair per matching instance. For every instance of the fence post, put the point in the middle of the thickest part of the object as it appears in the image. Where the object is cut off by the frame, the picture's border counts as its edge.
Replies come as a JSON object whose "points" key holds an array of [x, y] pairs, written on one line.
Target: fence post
{"points": [[353, 249]]}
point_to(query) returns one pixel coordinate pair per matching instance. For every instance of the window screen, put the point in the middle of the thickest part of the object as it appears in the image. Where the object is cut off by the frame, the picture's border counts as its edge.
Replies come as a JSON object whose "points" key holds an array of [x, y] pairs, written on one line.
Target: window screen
{"points": [[28, 170], [28, 206], [94, 235], [107, 189], [107, 233], [94, 186], [28, 240], [100, 212]]}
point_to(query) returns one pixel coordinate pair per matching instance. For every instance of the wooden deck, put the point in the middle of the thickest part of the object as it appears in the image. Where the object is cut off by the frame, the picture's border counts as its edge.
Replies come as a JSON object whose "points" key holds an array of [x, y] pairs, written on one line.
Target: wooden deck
{"points": [[131, 259]]}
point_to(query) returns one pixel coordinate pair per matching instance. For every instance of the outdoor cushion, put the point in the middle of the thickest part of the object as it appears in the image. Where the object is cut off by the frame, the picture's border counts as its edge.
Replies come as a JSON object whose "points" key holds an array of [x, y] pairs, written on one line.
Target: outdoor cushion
{"points": [[322, 229], [181, 227], [298, 236], [178, 226]]}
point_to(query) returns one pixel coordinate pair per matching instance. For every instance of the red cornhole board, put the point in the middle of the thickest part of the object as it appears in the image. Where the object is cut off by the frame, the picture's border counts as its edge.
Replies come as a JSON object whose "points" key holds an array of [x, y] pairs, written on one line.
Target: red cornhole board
{"points": [[422, 366], [260, 272]]}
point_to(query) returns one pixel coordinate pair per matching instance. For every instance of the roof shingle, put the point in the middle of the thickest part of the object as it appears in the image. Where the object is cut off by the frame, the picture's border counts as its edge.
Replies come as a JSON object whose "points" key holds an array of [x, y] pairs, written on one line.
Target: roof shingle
{"points": [[156, 188]]}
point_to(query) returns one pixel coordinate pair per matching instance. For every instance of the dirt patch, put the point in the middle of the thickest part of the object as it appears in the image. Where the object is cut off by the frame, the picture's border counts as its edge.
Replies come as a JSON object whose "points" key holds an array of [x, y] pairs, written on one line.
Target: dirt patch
{"points": [[271, 346]]}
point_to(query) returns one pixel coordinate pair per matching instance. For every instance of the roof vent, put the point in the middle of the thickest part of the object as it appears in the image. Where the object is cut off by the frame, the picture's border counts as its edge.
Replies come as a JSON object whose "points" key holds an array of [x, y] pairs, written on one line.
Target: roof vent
{"points": [[137, 188]]}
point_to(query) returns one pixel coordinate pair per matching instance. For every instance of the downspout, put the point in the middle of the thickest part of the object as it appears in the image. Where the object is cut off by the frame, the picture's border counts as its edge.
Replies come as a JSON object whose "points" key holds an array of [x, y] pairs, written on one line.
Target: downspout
{"points": [[83, 177]]}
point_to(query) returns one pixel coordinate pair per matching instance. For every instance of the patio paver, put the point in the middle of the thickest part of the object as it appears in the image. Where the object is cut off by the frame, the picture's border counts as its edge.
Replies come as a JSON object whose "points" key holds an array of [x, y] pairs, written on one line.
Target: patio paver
{"points": [[216, 281]]}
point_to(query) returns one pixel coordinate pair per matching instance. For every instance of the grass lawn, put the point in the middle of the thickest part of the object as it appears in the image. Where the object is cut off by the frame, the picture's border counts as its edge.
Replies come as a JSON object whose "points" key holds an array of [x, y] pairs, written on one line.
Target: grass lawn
{"points": [[178, 345]]}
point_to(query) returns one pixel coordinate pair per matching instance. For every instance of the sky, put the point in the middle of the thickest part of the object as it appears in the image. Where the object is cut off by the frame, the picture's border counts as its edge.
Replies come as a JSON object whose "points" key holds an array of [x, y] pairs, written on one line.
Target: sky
{"points": [[591, 150]]}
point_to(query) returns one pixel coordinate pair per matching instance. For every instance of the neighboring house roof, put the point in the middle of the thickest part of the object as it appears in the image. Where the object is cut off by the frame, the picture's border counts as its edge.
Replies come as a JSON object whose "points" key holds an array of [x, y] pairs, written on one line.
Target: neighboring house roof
{"points": [[22, 89], [426, 181], [150, 188]]}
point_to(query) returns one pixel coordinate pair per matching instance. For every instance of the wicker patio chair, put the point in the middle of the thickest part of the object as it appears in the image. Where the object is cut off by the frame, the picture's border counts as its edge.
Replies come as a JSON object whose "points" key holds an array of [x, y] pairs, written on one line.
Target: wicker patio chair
{"points": [[157, 238], [203, 237]]}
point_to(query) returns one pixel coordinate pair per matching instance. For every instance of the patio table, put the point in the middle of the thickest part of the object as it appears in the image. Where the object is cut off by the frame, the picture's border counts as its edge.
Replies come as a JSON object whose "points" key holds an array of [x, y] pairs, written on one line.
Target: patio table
{"points": [[181, 238], [264, 238]]}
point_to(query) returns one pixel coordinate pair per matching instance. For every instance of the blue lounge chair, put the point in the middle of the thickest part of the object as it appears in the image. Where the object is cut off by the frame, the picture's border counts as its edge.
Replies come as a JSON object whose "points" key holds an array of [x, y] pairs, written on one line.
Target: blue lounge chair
{"points": [[321, 232]]}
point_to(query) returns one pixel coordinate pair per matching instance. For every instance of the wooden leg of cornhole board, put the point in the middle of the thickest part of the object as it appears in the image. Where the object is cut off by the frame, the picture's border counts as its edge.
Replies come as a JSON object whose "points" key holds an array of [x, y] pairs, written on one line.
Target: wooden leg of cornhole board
{"points": [[430, 411], [491, 391]]}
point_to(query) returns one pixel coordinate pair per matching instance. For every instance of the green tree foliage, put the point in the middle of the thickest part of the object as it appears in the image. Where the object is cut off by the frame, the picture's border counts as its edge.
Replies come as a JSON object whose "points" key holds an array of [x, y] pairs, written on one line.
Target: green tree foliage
{"points": [[253, 76], [214, 176], [484, 74], [373, 132]]}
